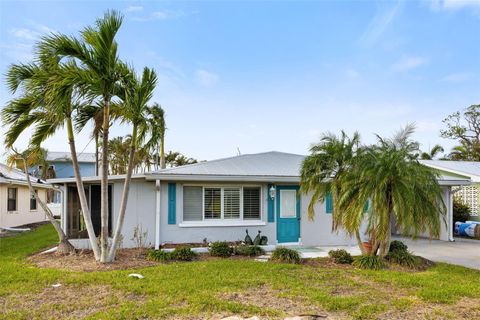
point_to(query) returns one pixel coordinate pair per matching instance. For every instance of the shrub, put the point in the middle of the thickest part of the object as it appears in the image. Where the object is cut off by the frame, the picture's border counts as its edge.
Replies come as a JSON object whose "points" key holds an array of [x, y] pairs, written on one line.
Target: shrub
{"points": [[251, 251], [369, 262], [220, 249], [183, 254], [286, 255], [397, 246], [404, 258], [340, 256], [461, 212], [159, 255]]}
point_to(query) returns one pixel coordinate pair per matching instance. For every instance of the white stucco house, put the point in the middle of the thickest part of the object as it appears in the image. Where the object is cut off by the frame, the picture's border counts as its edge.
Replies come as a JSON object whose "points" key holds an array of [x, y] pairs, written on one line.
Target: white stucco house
{"points": [[17, 206], [218, 200]]}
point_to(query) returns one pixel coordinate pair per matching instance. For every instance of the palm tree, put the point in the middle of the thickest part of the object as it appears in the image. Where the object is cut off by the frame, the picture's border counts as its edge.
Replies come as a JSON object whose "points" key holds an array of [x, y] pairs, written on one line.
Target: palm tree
{"points": [[157, 140], [434, 152], [176, 159], [399, 189], [47, 103], [138, 93], [322, 169], [27, 159], [98, 74]]}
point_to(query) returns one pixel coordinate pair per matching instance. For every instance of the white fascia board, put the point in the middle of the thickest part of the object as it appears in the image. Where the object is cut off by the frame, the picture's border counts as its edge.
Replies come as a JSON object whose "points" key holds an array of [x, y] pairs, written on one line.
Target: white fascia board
{"points": [[24, 183], [226, 178], [454, 182], [92, 179]]}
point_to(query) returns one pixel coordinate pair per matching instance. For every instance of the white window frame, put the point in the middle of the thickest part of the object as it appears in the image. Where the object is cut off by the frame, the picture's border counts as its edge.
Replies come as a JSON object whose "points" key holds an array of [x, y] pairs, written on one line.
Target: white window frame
{"points": [[229, 221]]}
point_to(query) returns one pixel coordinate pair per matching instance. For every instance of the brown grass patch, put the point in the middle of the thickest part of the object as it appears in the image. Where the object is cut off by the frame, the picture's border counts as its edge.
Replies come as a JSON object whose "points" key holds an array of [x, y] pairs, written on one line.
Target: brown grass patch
{"points": [[84, 261], [65, 302], [266, 297]]}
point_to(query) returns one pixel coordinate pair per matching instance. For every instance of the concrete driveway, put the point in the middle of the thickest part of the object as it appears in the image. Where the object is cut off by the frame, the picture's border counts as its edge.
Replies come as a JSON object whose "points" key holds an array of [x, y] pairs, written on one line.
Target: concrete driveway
{"points": [[464, 252]]}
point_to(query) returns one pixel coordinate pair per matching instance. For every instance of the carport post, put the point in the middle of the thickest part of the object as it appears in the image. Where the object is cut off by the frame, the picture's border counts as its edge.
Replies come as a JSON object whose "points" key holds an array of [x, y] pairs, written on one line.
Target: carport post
{"points": [[157, 214], [450, 215]]}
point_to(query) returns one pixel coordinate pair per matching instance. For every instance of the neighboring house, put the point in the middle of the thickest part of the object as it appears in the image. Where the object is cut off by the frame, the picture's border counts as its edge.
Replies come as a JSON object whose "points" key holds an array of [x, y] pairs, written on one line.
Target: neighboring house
{"points": [[469, 195], [218, 200], [17, 206], [62, 164]]}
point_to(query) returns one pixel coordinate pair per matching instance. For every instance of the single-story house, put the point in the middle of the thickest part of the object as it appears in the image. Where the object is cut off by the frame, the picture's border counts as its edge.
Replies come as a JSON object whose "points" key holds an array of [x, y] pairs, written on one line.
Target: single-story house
{"points": [[218, 200], [17, 206], [469, 194]]}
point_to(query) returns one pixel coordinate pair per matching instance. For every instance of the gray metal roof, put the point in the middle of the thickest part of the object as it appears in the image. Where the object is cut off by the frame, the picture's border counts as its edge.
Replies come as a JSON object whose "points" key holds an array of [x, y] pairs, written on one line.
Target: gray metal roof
{"points": [[66, 156], [466, 168], [271, 163], [12, 175]]}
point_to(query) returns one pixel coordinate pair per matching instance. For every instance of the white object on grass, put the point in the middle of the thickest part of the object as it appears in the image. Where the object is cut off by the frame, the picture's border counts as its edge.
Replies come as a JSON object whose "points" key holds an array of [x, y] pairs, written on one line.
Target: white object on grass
{"points": [[136, 275], [15, 229], [49, 250], [56, 285]]}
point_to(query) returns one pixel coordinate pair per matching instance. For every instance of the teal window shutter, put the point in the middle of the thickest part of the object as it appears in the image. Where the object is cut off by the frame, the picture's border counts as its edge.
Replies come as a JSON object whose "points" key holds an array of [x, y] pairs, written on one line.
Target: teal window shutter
{"points": [[366, 206], [172, 203], [270, 205], [329, 204]]}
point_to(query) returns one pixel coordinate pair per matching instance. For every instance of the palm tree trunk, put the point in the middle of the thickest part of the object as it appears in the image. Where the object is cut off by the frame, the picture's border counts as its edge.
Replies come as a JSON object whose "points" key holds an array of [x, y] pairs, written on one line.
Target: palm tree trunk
{"points": [[104, 185], [123, 203], [163, 165], [81, 192], [96, 153], [64, 246], [360, 242]]}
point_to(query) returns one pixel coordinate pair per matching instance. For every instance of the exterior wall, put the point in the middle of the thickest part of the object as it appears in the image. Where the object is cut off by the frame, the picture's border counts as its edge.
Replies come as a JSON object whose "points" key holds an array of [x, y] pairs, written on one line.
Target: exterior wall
{"points": [[177, 233], [23, 215], [65, 169], [319, 230]]}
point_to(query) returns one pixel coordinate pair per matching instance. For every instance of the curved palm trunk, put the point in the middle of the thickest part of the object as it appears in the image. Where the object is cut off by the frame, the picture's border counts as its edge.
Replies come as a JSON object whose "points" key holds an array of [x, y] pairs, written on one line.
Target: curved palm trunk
{"points": [[104, 185], [360, 242], [163, 165], [123, 203], [81, 192], [64, 246]]}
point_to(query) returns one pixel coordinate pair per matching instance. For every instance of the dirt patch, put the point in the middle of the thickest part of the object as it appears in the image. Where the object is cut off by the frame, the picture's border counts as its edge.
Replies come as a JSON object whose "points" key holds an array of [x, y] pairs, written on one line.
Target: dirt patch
{"points": [[266, 297], [65, 302], [84, 261]]}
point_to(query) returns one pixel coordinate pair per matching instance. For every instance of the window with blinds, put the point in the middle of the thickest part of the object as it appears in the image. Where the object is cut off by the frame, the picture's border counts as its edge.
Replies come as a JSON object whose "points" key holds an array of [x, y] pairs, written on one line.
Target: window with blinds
{"points": [[192, 204], [213, 203], [33, 201], [251, 203], [12, 199], [231, 203]]}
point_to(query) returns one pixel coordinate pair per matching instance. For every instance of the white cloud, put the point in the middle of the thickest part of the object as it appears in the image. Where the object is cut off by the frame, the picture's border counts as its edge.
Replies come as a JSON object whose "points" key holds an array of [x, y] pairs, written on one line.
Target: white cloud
{"points": [[161, 15], [457, 77], [409, 62], [24, 33], [380, 23], [206, 78], [454, 4], [134, 8]]}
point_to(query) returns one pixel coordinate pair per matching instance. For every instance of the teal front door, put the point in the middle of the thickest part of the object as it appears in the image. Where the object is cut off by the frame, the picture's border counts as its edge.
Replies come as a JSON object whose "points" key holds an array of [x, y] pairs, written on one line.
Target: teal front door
{"points": [[288, 214]]}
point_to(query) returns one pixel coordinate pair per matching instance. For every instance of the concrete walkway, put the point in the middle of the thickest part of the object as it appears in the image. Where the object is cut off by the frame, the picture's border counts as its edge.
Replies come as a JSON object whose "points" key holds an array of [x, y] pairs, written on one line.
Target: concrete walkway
{"points": [[464, 252]]}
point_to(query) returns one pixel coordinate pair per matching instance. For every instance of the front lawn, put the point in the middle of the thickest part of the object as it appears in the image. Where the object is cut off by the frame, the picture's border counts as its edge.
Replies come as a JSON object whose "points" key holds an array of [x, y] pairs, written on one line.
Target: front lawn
{"points": [[222, 287]]}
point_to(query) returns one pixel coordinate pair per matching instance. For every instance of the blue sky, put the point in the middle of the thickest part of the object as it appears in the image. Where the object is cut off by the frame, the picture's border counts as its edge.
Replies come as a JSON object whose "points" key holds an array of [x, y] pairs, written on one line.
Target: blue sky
{"points": [[268, 75]]}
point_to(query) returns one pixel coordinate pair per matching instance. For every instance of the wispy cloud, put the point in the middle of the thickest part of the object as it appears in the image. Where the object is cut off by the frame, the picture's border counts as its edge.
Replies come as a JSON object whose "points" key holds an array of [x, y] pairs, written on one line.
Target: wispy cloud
{"points": [[160, 15], [206, 78], [383, 18], [457, 77], [408, 63], [454, 4], [133, 8]]}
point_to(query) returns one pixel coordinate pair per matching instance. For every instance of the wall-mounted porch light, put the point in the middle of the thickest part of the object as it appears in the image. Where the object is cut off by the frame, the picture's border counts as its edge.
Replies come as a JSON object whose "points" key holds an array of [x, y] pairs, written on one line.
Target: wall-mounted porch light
{"points": [[271, 192]]}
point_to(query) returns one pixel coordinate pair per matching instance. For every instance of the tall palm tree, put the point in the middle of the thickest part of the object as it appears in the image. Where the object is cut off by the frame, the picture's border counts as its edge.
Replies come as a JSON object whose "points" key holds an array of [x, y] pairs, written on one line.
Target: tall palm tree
{"points": [[27, 159], [137, 94], [48, 104], [156, 116], [322, 169], [400, 190], [433, 153], [98, 74]]}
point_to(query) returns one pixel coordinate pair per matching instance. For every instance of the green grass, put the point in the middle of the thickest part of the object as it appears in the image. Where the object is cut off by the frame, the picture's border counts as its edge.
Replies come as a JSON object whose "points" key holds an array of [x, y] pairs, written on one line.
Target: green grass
{"points": [[179, 290]]}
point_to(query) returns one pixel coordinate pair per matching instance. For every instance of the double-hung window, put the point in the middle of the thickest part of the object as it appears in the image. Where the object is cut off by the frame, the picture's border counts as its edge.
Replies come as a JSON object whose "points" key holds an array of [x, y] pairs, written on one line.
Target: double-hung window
{"points": [[33, 201], [207, 203], [12, 199]]}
